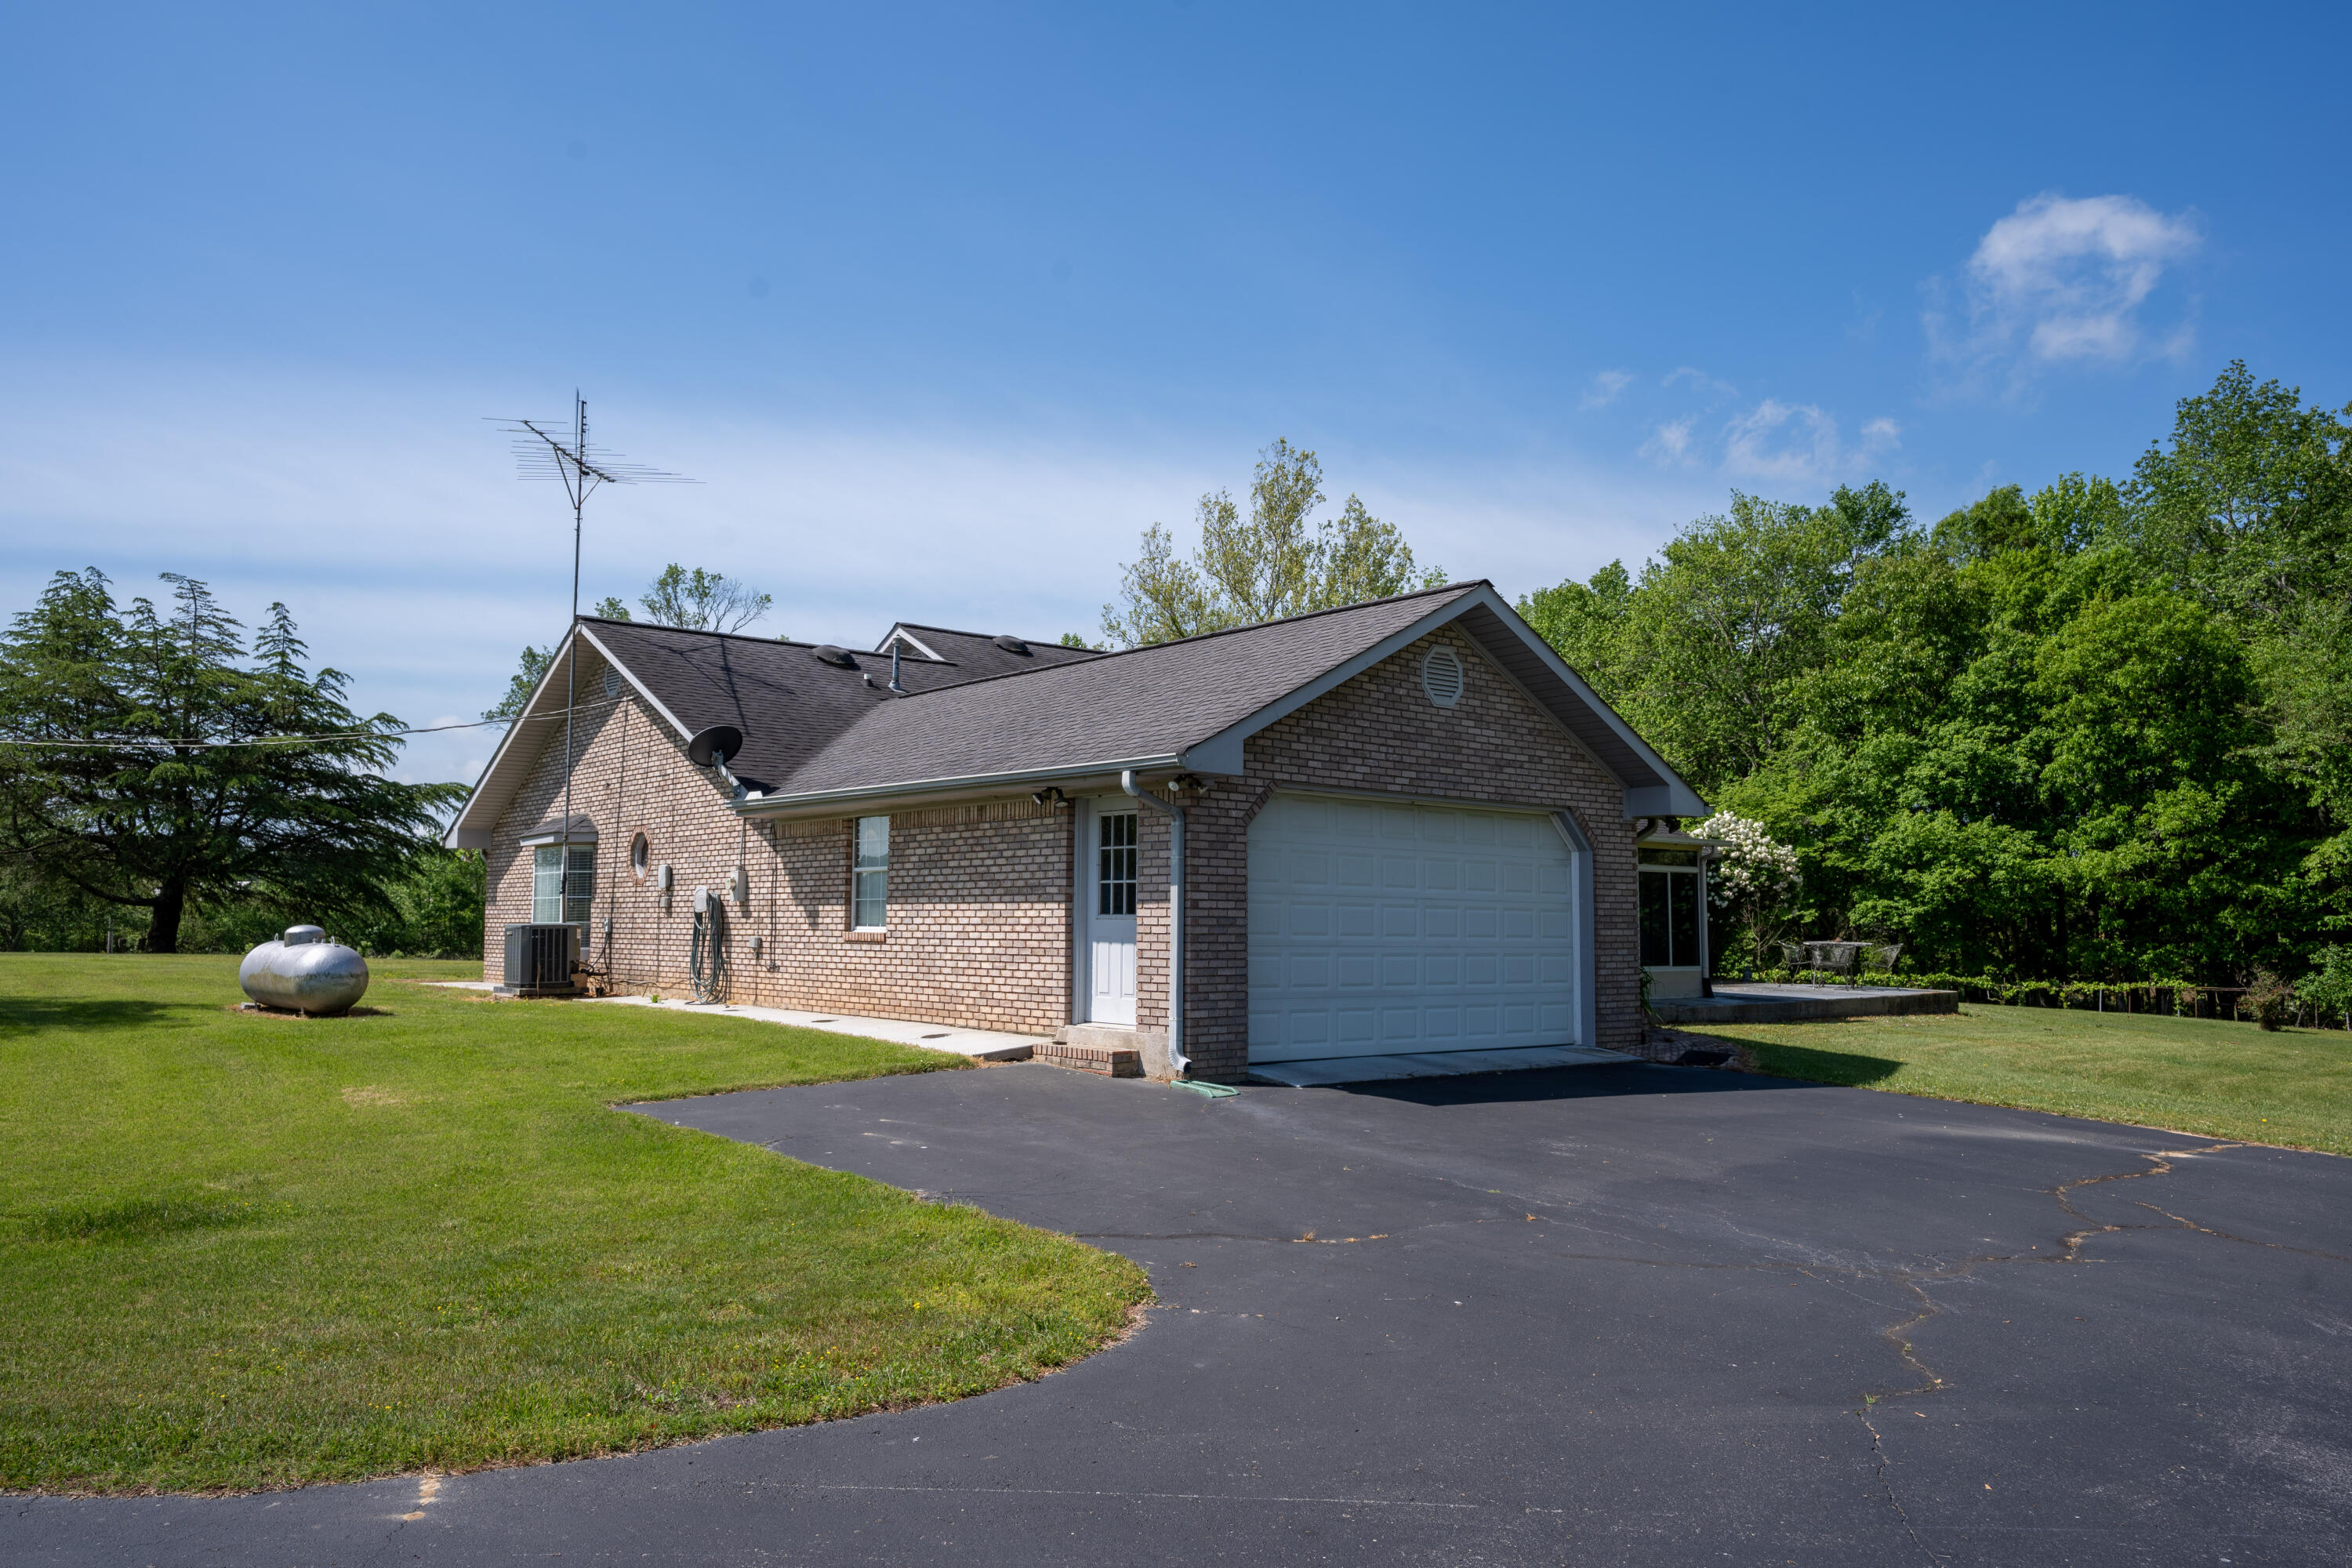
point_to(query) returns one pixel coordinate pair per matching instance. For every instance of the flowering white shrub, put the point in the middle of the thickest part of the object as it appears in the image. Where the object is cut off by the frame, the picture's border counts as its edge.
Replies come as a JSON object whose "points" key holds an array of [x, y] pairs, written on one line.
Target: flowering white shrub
{"points": [[1750, 869]]}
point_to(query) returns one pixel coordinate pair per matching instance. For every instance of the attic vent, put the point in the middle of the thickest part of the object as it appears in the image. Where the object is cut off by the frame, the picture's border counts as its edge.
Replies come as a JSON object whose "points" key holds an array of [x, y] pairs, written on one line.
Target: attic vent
{"points": [[611, 681], [1011, 644], [1441, 676], [830, 654]]}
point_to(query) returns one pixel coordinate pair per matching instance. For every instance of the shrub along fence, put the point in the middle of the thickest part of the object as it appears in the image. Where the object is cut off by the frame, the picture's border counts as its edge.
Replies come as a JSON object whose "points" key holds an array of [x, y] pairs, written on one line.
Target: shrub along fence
{"points": [[2174, 998]]}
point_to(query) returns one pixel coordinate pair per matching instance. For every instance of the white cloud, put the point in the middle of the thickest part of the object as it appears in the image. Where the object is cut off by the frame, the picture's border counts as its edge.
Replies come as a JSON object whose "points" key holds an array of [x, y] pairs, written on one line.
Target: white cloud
{"points": [[1799, 443], [1669, 444], [2064, 280], [1606, 386], [1700, 379]]}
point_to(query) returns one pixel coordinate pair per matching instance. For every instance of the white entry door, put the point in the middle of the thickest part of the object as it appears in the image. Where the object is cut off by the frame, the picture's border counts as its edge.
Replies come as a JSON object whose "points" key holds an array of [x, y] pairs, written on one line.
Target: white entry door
{"points": [[1376, 929], [1111, 918]]}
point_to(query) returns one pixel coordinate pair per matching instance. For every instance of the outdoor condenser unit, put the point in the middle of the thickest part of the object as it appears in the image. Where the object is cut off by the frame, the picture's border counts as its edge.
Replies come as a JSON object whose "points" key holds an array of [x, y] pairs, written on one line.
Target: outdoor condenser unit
{"points": [[539, 960]]}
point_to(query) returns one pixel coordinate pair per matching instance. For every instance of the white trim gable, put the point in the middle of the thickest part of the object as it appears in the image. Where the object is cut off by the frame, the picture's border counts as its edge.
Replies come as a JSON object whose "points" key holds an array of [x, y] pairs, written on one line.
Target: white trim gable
{"points": [[468, 830], [1222, 752], [900, 634]]}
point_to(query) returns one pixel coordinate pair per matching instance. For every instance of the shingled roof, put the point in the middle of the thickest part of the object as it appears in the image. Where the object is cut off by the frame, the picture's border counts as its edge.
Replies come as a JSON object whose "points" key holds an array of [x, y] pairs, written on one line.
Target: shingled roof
{"points": [[820, 733]]}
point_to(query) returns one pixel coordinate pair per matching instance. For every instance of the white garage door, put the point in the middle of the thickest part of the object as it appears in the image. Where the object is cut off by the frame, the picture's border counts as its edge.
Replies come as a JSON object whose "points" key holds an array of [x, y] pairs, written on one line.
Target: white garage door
{"points": [[1380, 929]]}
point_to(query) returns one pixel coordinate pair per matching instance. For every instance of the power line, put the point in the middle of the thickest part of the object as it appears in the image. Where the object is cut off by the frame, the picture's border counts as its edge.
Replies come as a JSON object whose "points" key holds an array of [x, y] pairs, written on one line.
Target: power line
{"points": [[292, 740]]}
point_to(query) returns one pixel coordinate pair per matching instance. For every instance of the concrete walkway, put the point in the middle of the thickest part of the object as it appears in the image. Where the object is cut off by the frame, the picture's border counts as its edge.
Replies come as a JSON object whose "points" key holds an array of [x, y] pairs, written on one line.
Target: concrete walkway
{"points": [[980, 1045]]}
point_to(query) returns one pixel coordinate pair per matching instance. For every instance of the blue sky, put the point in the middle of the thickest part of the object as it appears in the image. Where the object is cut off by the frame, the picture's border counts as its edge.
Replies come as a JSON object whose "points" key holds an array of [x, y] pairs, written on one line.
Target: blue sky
{"points": [[944, 305]]}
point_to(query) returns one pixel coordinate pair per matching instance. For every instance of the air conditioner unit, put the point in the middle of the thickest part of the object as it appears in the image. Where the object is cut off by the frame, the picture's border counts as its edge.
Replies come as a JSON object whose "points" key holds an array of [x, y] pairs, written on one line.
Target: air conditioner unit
{"points": [[539, 961]]}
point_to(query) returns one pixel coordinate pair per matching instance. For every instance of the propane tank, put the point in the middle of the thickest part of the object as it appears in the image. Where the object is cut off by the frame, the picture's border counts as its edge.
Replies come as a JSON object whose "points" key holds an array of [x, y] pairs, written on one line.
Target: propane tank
{"points": [[302, 972]]}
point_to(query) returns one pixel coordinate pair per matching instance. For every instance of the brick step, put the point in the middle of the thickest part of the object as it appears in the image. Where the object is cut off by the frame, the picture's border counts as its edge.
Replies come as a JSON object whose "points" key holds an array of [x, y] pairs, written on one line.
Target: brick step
{"points": [[1111, 1061]]}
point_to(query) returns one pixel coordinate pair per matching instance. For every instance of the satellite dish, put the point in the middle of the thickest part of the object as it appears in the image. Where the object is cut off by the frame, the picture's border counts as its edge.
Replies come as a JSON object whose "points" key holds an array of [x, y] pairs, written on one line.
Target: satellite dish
{"points": [[710, 748]]}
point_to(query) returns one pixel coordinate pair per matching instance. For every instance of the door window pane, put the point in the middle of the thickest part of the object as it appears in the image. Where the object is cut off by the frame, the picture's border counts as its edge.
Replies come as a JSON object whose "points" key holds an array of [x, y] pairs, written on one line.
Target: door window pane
{"points": [[870, 874], [1115, 865]]}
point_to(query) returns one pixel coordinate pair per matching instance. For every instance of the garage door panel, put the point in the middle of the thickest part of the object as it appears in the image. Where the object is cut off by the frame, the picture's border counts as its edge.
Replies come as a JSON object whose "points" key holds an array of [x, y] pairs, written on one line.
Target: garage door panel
{"points": [[1470, 941]]}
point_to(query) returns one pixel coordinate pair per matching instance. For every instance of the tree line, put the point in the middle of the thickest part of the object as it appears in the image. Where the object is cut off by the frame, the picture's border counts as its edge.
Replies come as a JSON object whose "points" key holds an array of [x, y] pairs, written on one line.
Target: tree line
{"points": [[2102, 730]]}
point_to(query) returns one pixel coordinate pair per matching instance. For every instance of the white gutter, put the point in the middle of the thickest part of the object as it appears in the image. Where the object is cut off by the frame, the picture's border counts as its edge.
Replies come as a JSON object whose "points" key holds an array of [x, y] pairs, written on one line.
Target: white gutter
{"points": [[1022, 778], [1179, 1064]]}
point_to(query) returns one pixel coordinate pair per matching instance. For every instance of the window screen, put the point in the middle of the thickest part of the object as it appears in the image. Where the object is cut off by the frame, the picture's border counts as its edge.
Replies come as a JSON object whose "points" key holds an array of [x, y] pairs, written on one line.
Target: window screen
{"points": [[870, 875], [1115, 865], [551, 901]]}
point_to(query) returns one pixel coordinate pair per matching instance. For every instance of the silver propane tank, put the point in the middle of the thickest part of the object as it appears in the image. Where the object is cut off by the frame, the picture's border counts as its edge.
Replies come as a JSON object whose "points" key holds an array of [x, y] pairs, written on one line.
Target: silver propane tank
{"points": [[302, 972]]}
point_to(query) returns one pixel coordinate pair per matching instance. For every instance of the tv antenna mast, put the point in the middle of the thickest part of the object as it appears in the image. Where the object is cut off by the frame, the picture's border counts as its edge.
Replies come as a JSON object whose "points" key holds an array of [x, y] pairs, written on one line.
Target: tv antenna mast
{"points": [[545, 449]]}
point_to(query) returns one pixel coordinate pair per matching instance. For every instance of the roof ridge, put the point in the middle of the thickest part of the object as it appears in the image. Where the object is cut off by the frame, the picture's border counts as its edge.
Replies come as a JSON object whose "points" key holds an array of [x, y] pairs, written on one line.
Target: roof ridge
{"points": [[1201, 637], [766, 642]]}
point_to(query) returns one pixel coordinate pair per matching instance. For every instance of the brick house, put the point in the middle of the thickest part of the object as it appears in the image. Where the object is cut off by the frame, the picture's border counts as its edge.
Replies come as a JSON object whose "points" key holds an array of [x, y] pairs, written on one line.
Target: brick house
{"points": [[1404, 826]]}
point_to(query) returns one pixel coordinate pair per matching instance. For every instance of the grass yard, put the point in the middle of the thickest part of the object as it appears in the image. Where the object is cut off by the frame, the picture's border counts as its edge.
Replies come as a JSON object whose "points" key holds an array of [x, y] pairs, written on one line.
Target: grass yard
{"points": [[2231, 1080], [244, 1251]]}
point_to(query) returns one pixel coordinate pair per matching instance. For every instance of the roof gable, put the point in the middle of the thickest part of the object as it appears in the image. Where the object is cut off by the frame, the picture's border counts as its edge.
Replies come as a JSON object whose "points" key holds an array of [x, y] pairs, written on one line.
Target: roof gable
{"points": [[818, 733]]}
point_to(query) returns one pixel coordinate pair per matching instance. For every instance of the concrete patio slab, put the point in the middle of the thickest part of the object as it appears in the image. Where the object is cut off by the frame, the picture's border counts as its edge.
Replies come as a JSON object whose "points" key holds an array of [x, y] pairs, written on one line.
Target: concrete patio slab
{"points": [[1761, 1002]]}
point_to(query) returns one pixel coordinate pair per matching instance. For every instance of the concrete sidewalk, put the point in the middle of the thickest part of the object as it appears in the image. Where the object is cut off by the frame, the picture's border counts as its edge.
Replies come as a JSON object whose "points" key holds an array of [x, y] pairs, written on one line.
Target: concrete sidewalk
{"points": [[980, 1045]]}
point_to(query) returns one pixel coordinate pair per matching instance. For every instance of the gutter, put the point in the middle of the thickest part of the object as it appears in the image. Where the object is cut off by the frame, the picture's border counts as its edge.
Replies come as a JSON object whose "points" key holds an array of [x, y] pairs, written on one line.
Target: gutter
{"points": [[912, 789], [1179, 1064]]}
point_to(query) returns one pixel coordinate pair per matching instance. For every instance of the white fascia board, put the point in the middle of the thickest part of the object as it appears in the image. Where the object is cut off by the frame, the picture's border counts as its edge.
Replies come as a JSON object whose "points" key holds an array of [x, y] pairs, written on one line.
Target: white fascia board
{"points": [[463, 834], [900, 634], [1687, 801], [639, 686], [466, 834], [1221, 752], [754, 805]]}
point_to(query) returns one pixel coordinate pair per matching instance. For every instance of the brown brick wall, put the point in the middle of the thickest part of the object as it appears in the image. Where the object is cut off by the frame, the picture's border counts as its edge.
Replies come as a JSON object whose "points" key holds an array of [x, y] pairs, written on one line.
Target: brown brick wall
{"points": [[980, 925], [1379, 731], [979, 895]]}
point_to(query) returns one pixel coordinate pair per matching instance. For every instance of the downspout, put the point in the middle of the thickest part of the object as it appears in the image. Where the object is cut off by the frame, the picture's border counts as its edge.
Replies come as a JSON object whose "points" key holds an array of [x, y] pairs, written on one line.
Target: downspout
{"points": [[1179, 1064]]}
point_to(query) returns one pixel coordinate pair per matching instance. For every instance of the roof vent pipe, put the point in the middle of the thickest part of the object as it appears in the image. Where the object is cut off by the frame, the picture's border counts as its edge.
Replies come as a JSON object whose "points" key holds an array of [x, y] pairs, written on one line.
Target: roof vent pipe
{"points": [[895, 689], [1179, 1064]]}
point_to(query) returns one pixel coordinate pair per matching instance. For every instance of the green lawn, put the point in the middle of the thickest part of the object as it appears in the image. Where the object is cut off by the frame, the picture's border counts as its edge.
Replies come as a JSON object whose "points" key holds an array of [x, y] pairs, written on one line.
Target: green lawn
{"points": [[248, 1251], [2228, 1079]]}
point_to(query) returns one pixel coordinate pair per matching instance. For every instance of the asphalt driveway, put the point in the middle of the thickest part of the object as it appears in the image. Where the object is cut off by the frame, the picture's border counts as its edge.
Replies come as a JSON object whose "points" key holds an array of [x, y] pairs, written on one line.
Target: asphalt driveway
{"points": [[1623, 1315]]}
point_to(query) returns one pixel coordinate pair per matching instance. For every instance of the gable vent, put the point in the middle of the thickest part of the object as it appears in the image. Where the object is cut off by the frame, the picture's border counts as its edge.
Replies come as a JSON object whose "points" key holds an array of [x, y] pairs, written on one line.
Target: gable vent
{"points": [[611, 681], [1441, 676]]}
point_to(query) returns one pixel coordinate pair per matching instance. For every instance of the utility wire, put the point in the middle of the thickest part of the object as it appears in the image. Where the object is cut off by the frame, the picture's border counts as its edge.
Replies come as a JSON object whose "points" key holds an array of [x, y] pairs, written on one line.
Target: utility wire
{"points": [[292, 740]]}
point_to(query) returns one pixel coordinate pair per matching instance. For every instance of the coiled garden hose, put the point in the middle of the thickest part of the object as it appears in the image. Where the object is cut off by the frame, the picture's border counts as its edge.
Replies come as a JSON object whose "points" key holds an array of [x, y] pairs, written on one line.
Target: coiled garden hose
{"points": [[707, 962]]}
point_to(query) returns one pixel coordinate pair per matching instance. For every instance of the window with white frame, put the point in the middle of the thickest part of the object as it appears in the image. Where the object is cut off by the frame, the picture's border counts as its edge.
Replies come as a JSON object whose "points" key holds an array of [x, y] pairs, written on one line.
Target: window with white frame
{"points": [[558, 898], [1115, 866], [869, 875], [1670, 913]]}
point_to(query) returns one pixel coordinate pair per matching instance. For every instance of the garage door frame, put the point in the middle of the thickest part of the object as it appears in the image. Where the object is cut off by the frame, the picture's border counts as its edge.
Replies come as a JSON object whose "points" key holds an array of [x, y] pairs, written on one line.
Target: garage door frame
{"points": [[1583, 921]]}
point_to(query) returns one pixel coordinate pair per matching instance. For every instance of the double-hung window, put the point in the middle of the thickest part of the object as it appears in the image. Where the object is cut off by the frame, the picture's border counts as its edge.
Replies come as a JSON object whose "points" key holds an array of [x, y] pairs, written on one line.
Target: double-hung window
{"points": [[869, 875], [558, 897]]}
